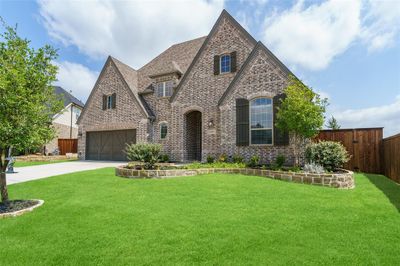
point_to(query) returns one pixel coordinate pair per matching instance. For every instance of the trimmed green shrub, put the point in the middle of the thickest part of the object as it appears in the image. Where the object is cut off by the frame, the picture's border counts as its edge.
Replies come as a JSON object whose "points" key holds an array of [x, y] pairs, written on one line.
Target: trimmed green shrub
{"points": [[147, 153], [237, 158], [164, 158], [280, 161], [210, 159], [197, 165], [254, 161], [329, 154]]}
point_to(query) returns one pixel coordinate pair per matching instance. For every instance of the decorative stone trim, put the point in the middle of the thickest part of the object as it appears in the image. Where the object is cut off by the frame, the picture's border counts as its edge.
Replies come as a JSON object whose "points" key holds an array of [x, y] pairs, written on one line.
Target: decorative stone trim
{"points": [[343, 180], [42, 158], [20, 212]]}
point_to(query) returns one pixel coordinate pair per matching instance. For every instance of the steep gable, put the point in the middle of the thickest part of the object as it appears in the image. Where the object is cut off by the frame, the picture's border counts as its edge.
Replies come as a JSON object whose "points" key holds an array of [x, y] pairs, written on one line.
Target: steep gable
{"points": [[261, 74], [227, 35], [109, 80], [261, 65]]}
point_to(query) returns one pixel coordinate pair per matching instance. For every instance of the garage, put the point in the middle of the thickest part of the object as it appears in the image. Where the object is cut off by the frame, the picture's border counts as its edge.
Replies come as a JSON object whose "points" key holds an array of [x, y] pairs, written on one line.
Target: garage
{"points": [[108, 145]]}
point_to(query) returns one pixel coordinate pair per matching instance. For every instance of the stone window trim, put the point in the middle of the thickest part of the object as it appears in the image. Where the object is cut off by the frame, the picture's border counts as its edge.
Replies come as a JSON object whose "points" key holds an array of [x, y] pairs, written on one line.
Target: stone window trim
{"points": [[161, 125], [271, 128]]}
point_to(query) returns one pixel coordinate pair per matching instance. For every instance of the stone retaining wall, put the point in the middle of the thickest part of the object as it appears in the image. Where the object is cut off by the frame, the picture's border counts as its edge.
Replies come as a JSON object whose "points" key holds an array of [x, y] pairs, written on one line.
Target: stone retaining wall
{"points": [[335, 180], [43, 158]]}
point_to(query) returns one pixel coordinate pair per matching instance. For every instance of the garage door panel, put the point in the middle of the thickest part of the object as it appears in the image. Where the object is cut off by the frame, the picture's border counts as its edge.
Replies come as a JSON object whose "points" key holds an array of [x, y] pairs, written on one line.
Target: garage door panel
{"points": [[109, 145]]}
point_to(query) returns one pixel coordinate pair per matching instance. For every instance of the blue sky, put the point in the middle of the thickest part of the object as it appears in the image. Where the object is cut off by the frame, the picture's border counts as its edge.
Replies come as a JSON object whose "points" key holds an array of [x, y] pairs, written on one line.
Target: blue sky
{"points": [[349, 51]]}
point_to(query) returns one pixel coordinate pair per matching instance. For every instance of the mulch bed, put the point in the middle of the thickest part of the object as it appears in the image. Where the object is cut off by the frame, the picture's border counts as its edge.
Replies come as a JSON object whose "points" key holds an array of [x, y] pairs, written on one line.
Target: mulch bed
{"points": [[16, 205]]}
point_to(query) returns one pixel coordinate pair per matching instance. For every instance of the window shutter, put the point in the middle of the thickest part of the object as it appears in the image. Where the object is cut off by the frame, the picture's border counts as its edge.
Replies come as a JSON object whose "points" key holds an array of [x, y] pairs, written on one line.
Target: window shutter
{"points": [[104, 102], [114, 100], [242, 122], [216, 65], [233, 61], [281, 138]]}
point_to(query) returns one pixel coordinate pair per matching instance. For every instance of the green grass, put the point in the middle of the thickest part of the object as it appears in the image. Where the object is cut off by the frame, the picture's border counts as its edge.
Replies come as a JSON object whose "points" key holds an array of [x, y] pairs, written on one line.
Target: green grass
{"points": [[95, 217], [23, 164]]}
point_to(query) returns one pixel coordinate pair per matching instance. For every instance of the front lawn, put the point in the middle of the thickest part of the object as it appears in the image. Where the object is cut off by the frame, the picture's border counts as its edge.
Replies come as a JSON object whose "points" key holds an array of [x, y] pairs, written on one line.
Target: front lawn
{"points": [[95, 217], [23, 164]]}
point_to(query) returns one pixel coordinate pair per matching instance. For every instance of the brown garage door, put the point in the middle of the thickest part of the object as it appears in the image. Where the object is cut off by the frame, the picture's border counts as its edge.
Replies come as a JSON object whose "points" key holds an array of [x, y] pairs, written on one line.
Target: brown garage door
{"points": [[108, 145]]}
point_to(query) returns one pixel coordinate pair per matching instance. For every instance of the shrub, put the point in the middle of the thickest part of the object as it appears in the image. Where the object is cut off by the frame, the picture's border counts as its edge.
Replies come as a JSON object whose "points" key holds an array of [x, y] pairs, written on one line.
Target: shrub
{"points": [[222, 158], [280, 161], [146, 153], [237, 158], [329, 154], [313, 168], [254, 161], [164, 158], [210, 159]]}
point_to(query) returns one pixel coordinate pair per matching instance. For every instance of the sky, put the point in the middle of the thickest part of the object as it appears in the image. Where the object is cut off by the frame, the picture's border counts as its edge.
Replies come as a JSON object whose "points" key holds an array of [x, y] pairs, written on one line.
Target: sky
{"points": [[346, 50]]}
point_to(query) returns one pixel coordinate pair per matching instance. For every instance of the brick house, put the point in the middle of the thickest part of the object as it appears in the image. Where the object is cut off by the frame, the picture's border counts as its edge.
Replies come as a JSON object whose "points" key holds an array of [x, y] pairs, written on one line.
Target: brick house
{"points": [[208, 96]]}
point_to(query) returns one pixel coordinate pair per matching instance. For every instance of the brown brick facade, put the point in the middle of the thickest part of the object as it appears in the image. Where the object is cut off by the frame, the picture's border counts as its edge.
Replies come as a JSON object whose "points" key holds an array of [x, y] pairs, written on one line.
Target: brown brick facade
{"points": [[197, 88]]}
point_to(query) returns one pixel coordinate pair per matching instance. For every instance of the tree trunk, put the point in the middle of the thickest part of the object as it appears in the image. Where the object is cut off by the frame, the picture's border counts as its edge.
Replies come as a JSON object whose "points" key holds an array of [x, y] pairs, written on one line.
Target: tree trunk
{"points": [[3, 186], [3, 180]]}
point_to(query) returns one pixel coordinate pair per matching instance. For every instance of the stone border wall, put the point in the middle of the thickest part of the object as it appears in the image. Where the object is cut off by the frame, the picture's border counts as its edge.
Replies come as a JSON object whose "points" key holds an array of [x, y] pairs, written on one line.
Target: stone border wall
{"points": [[43, 158], [20, 212], [336, 180]]}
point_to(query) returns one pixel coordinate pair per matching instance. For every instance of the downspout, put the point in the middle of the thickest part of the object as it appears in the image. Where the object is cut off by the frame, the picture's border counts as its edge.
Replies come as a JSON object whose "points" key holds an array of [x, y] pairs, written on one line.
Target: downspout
{"points": [[70, 128]]}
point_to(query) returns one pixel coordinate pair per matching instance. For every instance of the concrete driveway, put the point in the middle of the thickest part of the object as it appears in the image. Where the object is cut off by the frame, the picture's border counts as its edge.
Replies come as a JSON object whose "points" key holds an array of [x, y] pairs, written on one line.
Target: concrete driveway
{"points": [[29, 173]]}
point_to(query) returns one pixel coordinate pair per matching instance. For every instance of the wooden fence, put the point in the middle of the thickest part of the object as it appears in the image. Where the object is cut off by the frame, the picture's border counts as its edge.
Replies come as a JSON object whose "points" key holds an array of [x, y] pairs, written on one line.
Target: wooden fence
{"points": [[391, 151], [363, 144], [67, 146]]}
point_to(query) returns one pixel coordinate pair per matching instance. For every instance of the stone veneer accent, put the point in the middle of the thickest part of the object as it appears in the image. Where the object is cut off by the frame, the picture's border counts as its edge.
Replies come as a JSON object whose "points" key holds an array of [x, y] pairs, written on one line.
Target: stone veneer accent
{"points": [[343, 180]]}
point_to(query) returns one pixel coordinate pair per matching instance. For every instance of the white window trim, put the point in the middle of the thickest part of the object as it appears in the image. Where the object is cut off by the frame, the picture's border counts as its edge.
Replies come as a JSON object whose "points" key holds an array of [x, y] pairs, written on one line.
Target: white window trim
{"points": [[164, 89], [220, 64], [272, 129], [160, 125]]}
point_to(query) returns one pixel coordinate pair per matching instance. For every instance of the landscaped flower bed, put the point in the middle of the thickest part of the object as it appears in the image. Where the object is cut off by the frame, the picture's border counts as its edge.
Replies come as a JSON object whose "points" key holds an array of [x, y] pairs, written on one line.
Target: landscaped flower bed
{"points": [[18, 207], [342, 179]]}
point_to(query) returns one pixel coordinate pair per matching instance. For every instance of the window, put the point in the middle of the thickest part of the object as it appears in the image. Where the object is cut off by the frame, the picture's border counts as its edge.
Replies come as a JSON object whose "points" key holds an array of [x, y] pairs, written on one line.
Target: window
{"points": [[225, 63], [164, 89], [109, 101], [163, 130], [261, 121]]}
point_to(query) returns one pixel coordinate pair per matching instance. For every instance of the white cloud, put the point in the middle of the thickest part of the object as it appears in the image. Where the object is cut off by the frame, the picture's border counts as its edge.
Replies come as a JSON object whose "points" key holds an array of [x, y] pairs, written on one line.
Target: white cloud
{"points": [[381, 24], [312, 36], [134, 31], [387, 116], [76, 78]]}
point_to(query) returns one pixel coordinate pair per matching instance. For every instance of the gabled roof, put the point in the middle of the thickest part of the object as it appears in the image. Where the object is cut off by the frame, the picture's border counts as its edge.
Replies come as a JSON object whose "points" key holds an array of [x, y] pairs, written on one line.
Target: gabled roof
{"points": [[259, 46], [67, 97], [224, 14], [176, 58], [128, 75]]}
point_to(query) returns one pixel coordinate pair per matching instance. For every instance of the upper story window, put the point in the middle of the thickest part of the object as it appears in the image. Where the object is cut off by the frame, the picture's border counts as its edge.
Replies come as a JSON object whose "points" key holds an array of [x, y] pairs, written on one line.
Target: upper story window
{"points": [[164, 89], [109, 101], [225, 63], [163, 130], [261, 124]]}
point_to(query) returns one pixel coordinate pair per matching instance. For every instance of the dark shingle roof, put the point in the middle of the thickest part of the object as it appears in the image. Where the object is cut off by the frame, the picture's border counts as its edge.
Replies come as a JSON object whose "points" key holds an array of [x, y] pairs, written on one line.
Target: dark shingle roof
{"points": [[67, 97]]}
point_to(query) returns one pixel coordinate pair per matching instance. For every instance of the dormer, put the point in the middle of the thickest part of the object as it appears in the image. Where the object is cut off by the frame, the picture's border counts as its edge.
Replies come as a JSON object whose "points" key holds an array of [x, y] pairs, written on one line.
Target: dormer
{"points": [[165, 79]]}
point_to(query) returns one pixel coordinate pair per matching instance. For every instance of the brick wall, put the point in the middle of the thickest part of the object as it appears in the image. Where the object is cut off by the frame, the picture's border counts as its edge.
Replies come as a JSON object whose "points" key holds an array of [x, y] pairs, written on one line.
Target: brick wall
{"points": [[126, 115]]}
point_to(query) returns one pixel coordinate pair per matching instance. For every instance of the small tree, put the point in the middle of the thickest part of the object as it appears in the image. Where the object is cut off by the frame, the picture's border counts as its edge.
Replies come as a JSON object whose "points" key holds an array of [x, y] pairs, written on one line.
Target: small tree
{"points": [[27, 100], [301, 114], [333, 123]]}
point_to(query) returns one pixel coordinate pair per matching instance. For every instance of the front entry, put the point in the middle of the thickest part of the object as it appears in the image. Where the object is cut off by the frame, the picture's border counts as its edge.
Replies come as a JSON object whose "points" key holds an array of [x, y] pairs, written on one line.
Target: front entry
{"points": [[193, 136]]}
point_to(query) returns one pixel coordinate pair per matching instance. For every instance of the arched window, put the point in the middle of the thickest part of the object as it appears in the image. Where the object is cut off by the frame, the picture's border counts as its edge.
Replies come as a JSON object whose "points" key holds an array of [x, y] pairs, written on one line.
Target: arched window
{"points": [[261, 123], [163, 130]]}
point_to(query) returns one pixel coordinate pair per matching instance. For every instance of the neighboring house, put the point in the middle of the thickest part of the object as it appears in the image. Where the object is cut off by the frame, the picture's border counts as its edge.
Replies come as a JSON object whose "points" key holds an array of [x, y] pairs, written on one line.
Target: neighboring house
{"points": [[65, 123], [208, 96]]}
